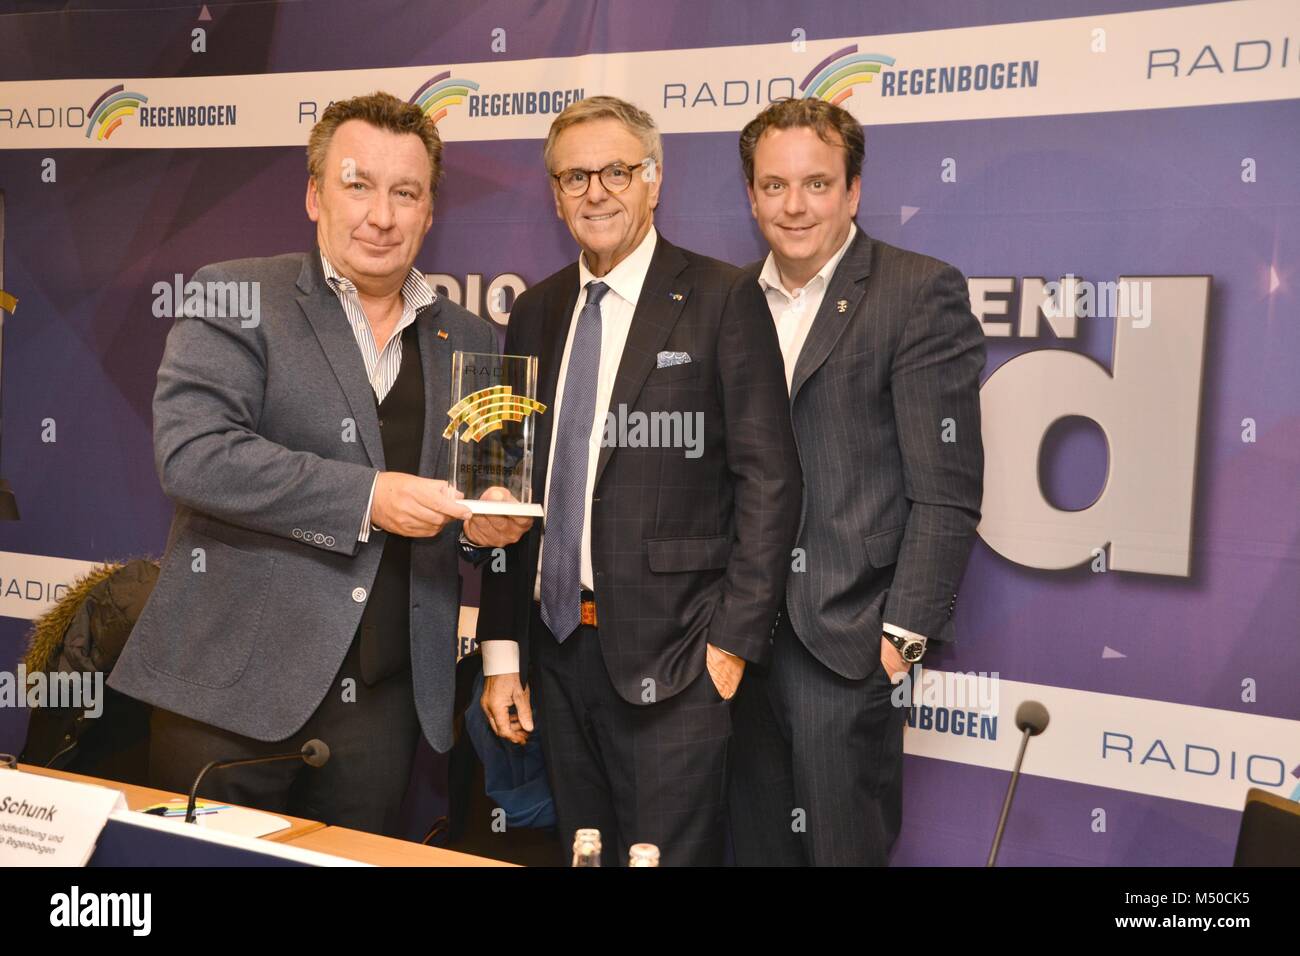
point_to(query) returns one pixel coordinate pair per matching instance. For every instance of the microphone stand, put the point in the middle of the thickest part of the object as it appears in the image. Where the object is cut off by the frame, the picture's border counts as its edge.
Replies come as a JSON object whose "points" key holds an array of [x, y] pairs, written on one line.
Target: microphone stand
{"points": [[1011, 793], [314, 753], [1032, 718]]}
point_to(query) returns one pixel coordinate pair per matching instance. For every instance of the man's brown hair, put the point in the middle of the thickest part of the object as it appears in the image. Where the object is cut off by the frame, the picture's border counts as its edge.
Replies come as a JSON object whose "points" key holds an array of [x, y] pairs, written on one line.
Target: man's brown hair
{"points": [[384, 111], [833, 126]]}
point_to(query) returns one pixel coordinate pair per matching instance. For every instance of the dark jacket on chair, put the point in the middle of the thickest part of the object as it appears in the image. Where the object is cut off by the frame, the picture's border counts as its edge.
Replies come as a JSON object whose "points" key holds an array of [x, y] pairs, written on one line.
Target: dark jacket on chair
{"points": [[84, 634]]}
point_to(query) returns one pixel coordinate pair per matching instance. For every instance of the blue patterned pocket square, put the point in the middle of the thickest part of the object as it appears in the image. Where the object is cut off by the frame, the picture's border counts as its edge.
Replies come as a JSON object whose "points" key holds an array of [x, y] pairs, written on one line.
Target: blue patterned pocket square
{"points": [[666, 359]]}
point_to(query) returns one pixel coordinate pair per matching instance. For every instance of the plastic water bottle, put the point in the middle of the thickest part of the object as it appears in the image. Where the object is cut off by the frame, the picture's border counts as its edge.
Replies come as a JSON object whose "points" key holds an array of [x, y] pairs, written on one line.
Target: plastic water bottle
{"points": [[586, 847], [643, 854]]}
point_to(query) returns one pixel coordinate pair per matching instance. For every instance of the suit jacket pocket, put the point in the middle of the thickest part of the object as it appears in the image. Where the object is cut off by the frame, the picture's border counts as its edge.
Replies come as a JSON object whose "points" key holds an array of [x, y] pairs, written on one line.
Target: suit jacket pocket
{"points": [[882, 547], [688, 554], [855, 367], [204, 619], [858, 358], [674, 373]]}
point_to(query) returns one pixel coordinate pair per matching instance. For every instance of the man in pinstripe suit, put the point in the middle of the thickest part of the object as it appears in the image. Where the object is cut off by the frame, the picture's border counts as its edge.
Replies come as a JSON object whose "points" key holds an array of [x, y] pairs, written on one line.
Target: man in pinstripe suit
{"points": [[882, 359]]}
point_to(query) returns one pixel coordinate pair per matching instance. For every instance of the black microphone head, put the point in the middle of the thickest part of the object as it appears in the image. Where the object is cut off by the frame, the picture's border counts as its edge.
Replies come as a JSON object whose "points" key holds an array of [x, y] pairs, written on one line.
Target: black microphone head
{"points": [[1033, 717], [315, 753]]}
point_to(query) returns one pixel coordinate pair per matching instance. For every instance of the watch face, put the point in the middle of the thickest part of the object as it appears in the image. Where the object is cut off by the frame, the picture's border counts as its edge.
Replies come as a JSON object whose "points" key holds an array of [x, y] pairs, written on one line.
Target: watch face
{"points": [[912, 651]]}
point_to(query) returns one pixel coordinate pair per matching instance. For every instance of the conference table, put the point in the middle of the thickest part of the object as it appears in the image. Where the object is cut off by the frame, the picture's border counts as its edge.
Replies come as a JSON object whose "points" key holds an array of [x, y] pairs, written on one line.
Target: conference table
{"points": [[305, 834]]}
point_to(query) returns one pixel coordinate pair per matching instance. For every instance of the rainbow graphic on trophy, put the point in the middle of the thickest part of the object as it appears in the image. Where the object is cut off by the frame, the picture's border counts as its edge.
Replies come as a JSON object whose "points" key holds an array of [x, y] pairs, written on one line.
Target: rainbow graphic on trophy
{"points": [[492, 425]]}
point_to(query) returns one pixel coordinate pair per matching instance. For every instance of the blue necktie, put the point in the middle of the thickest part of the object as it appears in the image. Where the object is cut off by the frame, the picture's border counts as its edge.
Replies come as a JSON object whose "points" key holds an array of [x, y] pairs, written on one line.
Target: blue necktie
{"points": [[567, 498]]}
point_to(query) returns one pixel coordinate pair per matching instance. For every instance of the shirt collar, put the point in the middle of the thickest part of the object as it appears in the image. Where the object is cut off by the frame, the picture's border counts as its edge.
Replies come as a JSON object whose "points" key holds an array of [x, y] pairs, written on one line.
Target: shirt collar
{"points": [[625, 279], [770, 276], [416, 293]]}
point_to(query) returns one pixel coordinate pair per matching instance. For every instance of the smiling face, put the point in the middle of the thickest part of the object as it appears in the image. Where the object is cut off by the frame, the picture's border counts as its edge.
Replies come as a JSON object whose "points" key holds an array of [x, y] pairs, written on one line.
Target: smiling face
{"points": [[801, 201], [373, 206], [608, 226]]}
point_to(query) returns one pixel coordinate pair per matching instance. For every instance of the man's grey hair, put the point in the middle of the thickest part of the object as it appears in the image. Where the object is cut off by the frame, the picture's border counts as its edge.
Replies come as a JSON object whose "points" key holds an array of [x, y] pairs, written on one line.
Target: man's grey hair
{"points": [[637, 121]]}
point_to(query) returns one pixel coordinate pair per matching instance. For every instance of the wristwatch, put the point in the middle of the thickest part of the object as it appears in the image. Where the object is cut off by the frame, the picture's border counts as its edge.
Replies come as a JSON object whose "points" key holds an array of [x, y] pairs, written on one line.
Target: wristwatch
{"points": [[910, 648]]}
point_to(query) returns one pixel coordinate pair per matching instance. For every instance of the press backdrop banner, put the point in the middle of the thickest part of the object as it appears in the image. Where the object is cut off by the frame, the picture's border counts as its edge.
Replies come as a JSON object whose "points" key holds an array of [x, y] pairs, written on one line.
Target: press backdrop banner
{"points": [[1117, 179]]}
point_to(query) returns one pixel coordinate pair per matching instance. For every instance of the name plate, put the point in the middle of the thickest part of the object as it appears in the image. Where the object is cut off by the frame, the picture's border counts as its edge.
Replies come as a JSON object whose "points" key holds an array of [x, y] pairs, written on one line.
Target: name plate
{"points": [[45, 821]]}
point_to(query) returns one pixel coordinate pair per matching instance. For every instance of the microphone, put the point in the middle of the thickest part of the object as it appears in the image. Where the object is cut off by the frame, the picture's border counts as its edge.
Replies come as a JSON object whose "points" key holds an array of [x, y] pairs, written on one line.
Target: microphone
{"points": [[314, 753], [1032, 719]]}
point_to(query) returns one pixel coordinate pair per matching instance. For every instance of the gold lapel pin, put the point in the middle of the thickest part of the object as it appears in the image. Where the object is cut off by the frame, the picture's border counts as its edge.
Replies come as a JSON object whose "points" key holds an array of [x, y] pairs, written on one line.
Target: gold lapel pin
{"points": [[842, 305], [675, 296], [442, 333]]}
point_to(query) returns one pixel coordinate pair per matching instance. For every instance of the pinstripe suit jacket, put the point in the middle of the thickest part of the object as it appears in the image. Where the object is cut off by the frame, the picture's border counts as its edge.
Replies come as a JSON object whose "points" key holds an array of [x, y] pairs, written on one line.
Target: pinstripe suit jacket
{"points": [[886, 414]]}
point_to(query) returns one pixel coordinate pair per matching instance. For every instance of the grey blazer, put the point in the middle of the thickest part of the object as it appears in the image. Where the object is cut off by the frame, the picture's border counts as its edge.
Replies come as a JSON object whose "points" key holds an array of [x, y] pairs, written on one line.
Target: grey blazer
{"points": [[267, 439], [886, 414]]}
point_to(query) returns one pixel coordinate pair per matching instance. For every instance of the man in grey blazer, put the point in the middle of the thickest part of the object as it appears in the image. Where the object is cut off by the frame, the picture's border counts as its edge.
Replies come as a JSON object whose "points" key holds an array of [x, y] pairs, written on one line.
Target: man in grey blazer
{"points": [[882, 359], [310, 585]]}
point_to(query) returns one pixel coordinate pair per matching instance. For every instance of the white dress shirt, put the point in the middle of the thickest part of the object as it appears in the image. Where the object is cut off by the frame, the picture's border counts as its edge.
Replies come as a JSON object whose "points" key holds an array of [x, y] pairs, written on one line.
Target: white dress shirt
{"points": [[382, 365], [616, 309], [793, 313]]}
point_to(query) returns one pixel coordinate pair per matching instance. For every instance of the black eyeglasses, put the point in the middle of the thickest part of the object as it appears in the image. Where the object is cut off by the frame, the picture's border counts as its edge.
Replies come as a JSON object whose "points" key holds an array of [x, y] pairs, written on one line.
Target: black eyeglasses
{"points": [[615, 177]]}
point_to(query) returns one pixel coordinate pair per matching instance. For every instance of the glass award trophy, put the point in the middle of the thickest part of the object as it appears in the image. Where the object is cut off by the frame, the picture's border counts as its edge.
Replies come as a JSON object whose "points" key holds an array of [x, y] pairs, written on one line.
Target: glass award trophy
{"points": [[493, 420]]}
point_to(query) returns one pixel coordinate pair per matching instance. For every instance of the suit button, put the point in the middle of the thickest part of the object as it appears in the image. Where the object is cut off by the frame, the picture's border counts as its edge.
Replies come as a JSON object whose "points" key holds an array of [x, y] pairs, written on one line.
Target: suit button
{"points": [[318, 538], [329, 541], [297, 532], [359, 595]]}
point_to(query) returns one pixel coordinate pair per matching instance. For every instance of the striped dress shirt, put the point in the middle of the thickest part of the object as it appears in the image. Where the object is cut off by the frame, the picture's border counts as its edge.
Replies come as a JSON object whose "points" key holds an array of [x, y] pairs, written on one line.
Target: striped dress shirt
{"points": [[382, 365]]}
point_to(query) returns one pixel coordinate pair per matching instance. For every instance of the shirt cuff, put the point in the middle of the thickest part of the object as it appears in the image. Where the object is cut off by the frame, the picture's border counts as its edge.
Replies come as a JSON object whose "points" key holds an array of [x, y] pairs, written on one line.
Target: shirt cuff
{"points": [[499, 657], [365, 522], [904, 632]]}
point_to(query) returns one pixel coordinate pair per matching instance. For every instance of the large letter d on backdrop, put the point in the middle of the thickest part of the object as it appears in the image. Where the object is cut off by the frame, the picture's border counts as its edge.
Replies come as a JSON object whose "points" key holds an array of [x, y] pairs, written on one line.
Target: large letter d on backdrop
{"points": [[1148, 407]]}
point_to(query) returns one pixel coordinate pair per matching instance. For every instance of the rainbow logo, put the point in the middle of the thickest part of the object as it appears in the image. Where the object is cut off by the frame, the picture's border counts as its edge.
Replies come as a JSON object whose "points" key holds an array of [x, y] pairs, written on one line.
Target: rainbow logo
{"points": [[107, 112], [487, 410], [441, 92], [178, 806], [833, 78]]}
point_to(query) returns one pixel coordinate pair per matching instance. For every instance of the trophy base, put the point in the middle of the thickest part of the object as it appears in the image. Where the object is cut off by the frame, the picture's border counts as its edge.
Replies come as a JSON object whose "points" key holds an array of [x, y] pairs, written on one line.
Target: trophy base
{"points": [[515, 508]]}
